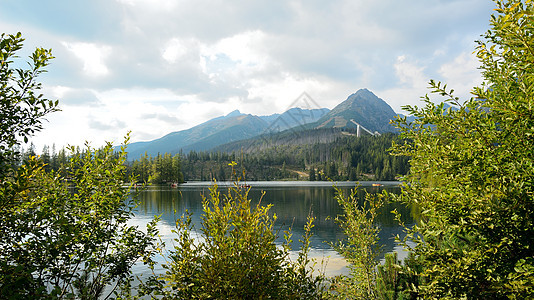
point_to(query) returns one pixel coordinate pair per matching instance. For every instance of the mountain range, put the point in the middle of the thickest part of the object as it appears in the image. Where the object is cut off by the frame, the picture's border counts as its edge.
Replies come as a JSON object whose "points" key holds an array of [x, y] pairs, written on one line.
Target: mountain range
{"points": [[362, 108]]}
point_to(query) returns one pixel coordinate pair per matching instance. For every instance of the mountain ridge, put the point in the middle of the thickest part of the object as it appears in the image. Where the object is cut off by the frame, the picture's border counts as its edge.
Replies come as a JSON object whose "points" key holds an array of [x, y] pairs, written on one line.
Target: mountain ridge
{"points": [[362, 107]]}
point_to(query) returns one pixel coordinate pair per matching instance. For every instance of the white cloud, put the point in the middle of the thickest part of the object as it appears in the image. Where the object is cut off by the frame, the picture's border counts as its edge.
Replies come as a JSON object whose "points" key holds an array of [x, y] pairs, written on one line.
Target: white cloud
{"points": [[245, 47], [413, 83], [409, 73], [57, 91], [176, 49], [157, 5], [195, 111], [462, 74], [92, 55], [156, 66], [118, 112], [134, 96], [239, 55], [276, 95]]}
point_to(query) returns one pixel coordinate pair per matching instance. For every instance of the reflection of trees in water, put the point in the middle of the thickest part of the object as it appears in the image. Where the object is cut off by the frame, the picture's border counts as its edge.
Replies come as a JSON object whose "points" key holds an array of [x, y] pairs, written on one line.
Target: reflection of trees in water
{"points": [[291, 205], [171, 203]]}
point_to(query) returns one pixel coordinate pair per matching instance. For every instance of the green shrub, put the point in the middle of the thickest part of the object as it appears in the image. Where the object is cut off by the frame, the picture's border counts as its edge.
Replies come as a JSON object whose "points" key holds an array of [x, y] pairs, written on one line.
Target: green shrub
{"points": [[360, 247], [62, 234], [472, 171], [233, 255]]}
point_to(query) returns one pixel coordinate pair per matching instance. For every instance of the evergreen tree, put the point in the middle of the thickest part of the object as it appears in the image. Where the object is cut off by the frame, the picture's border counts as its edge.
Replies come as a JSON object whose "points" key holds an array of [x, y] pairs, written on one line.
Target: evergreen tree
{"points": [[312, 174], [45, 158]]}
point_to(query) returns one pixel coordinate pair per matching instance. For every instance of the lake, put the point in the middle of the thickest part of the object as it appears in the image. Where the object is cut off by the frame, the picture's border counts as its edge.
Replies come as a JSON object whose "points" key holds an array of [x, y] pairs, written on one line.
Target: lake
{"points": [[292, 202]]}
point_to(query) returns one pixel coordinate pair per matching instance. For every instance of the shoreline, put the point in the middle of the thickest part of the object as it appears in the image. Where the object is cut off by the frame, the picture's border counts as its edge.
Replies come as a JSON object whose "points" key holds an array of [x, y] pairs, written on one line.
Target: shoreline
{"points": [[294, 183]]}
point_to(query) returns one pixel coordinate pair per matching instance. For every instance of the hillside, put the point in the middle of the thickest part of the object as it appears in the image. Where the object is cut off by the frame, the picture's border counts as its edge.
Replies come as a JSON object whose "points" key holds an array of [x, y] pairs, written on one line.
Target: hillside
{"points": [[285, 138]]}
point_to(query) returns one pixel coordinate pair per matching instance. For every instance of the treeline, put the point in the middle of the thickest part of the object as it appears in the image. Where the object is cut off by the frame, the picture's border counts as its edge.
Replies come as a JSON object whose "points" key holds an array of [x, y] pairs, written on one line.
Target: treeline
{"points": [[346, 158], [52, 159], [157, 170]]}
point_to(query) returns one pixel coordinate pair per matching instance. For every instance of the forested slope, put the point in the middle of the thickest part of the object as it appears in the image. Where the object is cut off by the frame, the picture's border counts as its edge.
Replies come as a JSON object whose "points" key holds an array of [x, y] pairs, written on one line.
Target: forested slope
{"points": [[342, 156]]}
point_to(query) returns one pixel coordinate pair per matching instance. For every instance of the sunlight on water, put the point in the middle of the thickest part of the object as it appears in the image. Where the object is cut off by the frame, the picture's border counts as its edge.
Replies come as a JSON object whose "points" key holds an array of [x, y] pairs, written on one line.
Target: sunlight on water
{"points": [[292, 202]]}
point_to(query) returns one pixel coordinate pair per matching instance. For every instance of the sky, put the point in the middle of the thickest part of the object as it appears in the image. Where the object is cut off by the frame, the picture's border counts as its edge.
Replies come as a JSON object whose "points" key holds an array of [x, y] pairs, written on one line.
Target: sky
{"points": [[157, 66]]}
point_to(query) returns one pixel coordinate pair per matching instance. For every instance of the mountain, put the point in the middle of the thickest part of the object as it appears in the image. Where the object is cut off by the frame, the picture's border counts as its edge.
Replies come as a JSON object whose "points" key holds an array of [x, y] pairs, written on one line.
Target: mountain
{"points": [[221, 130], [232, 127], [293, 117], [362, 107], [302, 136]]}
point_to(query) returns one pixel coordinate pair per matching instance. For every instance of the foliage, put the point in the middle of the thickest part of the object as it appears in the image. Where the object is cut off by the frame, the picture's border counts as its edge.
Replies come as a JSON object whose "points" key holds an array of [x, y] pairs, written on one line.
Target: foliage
{"points": [[472, 171], [52, 160], [361, 247], [235, 255], [21, 107], [62, 234], [69, 236], [159, 169], [397, 280]]}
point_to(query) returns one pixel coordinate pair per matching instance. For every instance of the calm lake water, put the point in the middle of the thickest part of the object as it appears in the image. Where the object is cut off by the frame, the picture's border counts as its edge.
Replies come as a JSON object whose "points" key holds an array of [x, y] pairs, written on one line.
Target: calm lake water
{"points": [[292, 202]]}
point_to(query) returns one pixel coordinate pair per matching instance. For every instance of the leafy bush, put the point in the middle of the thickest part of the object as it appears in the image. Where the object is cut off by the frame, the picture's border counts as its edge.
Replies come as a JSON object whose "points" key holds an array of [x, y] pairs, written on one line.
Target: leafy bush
{"points": [[472, 171], [360, 248], [61, 236], [234, 255]]}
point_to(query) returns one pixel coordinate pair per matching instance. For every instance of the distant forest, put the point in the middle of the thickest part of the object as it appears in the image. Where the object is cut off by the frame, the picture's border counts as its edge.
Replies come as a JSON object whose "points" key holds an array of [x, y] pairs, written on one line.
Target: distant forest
{"points": [[345, 158], [342, 157], [158, 170]]}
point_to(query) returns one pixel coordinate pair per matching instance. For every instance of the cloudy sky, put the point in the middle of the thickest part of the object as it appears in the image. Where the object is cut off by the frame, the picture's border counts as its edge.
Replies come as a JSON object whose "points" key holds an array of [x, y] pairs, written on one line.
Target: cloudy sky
{"points": [[157, 66]]}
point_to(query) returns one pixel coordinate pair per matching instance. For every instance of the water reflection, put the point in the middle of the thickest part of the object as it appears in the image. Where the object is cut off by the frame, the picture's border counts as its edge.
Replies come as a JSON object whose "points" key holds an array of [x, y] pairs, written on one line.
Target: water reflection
{"points": [[292, 202]]}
